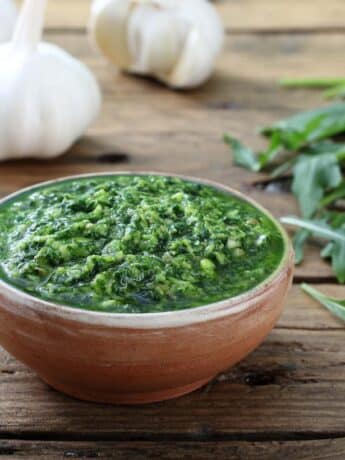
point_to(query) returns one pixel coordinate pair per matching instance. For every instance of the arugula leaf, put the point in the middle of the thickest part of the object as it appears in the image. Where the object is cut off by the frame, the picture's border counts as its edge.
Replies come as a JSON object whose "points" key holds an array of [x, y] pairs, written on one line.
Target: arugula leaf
{"points": [[335, 87], [326, 252], [336, 219], [283, 168], [311, 82], [313, 175], [243, 156], [338, 260], [335, 91], [335, 306], [337, 194], [307, 127], [273, 150], [298, 242], [325, 146], [323, 230]]}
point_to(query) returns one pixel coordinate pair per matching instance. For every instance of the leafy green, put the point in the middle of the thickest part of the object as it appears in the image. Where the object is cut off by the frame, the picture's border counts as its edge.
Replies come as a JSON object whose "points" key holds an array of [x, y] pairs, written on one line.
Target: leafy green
{"points": [[335, 87], [275, 147], [299, 241], [313, 175], [243, 156], [335, 91], [307, 127], [291, 134], [335, 306], [323, 230], [311, 82], [304, 146], [337, 194], [135, 244], [325, 146]]}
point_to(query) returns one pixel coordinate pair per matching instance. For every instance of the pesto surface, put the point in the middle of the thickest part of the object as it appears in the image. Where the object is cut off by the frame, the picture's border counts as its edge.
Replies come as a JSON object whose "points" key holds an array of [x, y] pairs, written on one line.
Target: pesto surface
{"points": [[135, 244]]}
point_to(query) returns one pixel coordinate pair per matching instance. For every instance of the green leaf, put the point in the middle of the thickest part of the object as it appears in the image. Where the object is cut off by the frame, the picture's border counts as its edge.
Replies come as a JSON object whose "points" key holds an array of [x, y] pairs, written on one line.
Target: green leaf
{"points": [[313, 176], [307, 127], [299, 241], [335, 218], [273, 150], [335, 91], [325, 146], [311, 82], [335, 195], [335, 87], [243, 156], [327, 251], [283, 168], [335, 306], [325, 231]]}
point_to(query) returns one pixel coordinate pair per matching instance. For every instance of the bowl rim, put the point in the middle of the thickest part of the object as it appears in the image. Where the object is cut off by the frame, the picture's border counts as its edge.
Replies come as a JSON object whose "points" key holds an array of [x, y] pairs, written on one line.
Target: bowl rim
{"points": [[167, 319]]}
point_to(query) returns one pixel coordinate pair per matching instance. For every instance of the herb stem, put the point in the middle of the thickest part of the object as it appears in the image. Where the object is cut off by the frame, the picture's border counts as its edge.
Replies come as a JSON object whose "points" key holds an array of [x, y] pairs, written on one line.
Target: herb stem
{"points": [[311, 82], [337, 194], [341, 156], [313, 292], [323, 232], [335, 90]]}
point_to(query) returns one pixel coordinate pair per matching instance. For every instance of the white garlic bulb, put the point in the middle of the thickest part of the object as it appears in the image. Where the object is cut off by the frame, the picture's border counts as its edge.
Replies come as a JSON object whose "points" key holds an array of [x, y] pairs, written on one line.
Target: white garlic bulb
{"points": [[176, 41], [8, 14], [48, 98]]}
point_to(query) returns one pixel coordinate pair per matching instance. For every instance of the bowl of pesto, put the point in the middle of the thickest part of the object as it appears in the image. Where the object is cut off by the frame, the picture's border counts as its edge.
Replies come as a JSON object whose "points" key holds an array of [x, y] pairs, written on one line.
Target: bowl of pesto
{"points": [[137, 287]]}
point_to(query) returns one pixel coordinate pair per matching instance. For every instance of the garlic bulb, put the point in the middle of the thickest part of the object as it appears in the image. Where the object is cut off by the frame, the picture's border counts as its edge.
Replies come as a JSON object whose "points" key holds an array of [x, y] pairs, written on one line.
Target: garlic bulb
{"points": [[48, 98], [8, 15], [176, 41]]}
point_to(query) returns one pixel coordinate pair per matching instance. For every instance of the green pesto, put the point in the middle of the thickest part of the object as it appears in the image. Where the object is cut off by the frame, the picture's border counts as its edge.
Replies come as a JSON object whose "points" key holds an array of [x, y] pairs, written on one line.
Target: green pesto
{"points": [[135, 244]]}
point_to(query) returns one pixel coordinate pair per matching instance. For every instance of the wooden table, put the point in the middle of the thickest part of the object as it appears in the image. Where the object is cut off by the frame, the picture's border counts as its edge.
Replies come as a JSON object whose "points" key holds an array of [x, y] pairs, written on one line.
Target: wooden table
{"points": [[287, 399]]}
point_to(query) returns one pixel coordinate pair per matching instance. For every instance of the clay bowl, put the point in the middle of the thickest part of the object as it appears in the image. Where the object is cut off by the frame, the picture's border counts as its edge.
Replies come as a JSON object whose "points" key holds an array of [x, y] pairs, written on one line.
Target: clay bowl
{"points": [[139, 358]]}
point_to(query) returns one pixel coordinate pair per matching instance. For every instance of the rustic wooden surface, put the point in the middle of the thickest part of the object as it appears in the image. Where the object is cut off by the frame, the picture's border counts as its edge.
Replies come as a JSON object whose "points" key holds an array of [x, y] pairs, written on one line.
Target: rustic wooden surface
{"points": [[287, 399]]}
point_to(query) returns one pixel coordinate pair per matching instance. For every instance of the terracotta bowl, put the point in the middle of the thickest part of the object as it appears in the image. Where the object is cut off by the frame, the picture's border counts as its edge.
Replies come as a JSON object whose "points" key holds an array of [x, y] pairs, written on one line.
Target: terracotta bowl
{"points": [[139, 358]]}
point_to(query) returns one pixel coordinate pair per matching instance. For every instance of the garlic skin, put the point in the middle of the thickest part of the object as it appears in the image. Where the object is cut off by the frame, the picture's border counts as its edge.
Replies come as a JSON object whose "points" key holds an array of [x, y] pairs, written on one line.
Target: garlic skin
{"points": [[8, 14], [48, 98], [175, 41]]}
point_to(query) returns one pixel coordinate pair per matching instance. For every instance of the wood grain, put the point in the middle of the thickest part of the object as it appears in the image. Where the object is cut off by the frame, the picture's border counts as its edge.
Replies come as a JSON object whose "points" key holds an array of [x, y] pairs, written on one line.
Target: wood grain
{"points": [[238, 16], [230, 450]]}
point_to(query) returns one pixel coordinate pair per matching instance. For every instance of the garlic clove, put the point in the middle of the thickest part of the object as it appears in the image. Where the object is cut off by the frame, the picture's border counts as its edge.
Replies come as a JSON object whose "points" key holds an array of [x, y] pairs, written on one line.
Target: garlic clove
{"points": [[203, 44], [8, 14], [109, 28], [192, 68], [155, 38]]}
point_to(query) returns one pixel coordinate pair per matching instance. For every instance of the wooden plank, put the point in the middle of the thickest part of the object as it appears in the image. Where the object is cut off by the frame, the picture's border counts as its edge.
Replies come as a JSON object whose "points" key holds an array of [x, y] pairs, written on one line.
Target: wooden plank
{"points": [[277, 15], [238, 16], [280, 390], [230, 450]]}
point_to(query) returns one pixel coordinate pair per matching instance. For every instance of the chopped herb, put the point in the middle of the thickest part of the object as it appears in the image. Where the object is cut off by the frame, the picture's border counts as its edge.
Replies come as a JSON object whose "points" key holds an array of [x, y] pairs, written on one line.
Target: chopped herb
{"points": [[135, 244]]}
